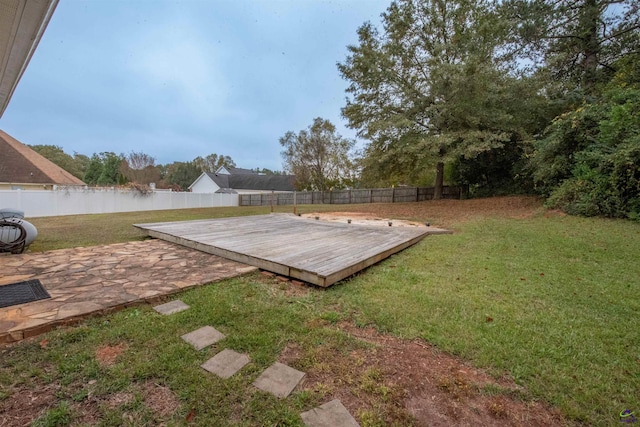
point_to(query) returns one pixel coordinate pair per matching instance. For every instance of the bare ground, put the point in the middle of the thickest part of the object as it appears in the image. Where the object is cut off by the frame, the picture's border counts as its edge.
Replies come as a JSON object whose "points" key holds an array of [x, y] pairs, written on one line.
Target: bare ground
{"points": [[442, 213], [401, 382], [28, 402]]}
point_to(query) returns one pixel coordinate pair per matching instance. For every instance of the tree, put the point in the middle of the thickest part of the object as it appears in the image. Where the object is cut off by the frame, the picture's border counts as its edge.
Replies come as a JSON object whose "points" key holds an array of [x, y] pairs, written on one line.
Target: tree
{"points": [[75, 165], [579, 42], [319, 157], [588, 162], [140, 168], [585, 53], [82, 162], [110, 169], [213, 162], [104, 169], [94, 169], [432, 87], [265, 171], [182, 174]]}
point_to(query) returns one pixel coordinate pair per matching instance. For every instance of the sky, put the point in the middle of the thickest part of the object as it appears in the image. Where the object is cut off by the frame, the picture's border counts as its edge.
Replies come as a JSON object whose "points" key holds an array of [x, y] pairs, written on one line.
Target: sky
{"points": [[181, 79]]}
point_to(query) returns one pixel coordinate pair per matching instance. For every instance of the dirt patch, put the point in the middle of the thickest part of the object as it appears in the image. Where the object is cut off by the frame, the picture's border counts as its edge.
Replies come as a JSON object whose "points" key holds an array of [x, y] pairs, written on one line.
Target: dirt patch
{"points": [[118, 399], [26, 404], [361, 218], [160, 399], [411, 382], [108, 354], [288, 286], [292, 352], [441, 213]]}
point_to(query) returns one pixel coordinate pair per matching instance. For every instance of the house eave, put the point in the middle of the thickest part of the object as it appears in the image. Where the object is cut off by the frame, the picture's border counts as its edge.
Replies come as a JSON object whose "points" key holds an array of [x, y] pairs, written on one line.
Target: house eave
{"points": [[23, 23]]}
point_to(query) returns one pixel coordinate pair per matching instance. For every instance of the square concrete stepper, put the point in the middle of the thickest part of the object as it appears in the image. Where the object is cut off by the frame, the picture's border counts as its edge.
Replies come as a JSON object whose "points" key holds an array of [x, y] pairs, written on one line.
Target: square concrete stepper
{"points": [[226, 363], [279, 380], [203, 337], [171, 307], [331, 414]]}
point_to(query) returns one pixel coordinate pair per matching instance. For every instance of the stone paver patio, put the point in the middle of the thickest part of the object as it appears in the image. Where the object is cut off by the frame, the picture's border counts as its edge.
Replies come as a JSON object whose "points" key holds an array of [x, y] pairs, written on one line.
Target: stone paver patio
{"points": [[102, 279]]}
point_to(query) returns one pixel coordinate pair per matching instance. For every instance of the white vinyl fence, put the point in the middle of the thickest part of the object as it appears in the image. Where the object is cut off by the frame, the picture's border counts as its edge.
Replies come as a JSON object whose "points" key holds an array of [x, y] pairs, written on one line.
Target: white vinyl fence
{"points": [[36, 203]]}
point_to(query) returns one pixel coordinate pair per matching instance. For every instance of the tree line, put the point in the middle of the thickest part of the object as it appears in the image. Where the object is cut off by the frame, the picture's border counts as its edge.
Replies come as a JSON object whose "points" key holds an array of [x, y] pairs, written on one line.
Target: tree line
{"points": [[514, 96], [108, 168]]}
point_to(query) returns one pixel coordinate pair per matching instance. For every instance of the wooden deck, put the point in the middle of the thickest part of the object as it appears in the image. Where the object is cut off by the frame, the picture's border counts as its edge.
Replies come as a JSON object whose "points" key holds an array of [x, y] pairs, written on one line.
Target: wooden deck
{"points": [[318, 252]]}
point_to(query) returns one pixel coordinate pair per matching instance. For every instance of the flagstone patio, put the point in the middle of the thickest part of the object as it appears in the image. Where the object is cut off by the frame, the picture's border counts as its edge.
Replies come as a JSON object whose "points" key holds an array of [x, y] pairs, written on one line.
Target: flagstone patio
{"points": [[101, 279]]}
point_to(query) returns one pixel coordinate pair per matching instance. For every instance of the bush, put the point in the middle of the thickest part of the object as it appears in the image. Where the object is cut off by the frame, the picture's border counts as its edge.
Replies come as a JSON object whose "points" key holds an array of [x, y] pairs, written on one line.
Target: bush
{"points": [[589, 162], [606, 184]]}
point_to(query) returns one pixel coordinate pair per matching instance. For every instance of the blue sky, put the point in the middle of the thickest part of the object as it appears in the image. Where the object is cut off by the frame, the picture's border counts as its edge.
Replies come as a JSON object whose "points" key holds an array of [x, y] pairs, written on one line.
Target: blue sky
{"points": [[180, 79]]}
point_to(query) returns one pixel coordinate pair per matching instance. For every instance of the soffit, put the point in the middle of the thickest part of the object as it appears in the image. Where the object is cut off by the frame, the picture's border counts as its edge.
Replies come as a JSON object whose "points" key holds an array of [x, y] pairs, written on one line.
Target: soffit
{"points": [[22, 24]]}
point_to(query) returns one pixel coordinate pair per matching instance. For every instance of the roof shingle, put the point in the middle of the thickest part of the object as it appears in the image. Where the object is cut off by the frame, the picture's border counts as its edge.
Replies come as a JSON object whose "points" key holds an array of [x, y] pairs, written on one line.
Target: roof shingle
{"points": [[20, 164], [253, 181]]}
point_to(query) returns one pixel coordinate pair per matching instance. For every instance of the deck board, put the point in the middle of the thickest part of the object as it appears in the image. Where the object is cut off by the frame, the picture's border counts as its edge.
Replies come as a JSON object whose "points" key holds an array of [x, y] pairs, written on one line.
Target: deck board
{"points": [[318, 252]]}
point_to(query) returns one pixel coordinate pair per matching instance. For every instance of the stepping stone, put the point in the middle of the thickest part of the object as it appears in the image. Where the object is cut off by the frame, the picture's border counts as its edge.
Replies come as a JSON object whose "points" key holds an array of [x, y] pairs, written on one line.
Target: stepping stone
{"points": [[332, 414], [203, 337], [279, 380], [226, 363], [171, 307]]}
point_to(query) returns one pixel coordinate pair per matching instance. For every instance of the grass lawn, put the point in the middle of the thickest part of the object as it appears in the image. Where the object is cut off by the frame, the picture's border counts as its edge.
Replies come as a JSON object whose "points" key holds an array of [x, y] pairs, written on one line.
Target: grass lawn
{"points": [[548, 301]]}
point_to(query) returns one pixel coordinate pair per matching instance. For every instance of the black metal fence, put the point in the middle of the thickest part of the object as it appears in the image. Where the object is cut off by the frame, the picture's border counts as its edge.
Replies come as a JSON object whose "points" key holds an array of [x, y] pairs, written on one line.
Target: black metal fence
{"points": [[343, 197]]}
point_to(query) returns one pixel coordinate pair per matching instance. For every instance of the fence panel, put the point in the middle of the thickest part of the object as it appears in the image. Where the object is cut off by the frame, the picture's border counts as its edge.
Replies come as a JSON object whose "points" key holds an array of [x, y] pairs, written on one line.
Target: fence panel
{"points": [[37, 203], [361, 196], [382, 195], [404, 195], [339, 197]]}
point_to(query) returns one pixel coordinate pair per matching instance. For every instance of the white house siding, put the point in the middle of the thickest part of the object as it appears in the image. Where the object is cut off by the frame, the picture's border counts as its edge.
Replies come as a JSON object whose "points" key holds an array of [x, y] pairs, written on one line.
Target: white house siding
{"points": [[204, 184]]}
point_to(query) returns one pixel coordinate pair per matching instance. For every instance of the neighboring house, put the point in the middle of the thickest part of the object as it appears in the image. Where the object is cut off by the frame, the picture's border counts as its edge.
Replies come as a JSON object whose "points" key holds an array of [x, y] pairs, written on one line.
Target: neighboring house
{"points": [[237, 180], [21, 168]]}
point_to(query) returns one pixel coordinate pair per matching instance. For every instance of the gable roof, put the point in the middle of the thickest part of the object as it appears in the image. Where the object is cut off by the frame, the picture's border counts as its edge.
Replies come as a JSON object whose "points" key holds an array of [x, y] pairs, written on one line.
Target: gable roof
{"points": [[221, 179], [261, 182], [222, 170], [240, 171], [20, 164], [253, 181]]}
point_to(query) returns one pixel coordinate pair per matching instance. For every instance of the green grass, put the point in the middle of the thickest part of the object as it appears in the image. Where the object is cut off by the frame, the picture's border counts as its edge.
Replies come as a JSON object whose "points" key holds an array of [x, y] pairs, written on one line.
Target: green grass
{"points": [[257, 318], [562, 295]]}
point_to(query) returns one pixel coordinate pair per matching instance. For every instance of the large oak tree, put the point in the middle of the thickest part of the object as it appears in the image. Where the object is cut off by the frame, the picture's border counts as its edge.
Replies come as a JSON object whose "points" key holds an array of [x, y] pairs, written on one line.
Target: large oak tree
{"points": [[431, 86]]}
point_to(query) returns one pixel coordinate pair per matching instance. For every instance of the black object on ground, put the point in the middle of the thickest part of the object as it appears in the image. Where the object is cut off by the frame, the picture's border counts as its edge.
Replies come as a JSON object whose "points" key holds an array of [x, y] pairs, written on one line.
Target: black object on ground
{"points": [[22, 292]]}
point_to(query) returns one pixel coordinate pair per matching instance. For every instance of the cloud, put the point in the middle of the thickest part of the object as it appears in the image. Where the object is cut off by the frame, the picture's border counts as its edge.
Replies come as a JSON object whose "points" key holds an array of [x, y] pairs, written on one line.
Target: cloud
{"points": [[180, 66]]}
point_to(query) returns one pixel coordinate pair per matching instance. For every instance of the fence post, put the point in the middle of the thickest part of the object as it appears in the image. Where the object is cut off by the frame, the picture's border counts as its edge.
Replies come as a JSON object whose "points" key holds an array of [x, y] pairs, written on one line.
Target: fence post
{"points": [[393, 194], [272, 194], [417, 194], [370, 196], [295, 205]]}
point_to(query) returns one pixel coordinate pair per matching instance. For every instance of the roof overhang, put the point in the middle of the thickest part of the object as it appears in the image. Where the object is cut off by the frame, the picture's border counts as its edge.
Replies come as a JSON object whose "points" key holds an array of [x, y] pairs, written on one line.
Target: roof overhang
{"points": [[22, 24]]}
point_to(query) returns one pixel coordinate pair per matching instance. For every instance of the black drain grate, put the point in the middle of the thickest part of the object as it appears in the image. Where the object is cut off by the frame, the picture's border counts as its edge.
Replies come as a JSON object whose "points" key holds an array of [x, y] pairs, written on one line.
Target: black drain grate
{"points": [[22, 292]]}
